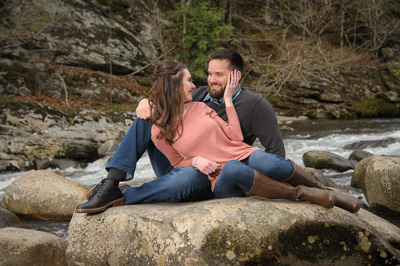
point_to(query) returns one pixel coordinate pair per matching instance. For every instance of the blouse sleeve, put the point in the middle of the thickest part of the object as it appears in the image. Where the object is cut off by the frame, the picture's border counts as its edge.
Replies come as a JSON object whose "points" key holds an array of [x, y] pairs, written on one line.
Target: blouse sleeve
{"points": [[172, 155], [231, 128]]}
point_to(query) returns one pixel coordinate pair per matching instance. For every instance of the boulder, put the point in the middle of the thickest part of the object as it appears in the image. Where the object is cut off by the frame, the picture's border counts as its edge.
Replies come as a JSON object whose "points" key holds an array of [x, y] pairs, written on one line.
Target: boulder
{"points": [[358, 155], [371, 143], [320, 177], [326, 160], [359, 173], [389, 231], [30, 247], [7, 218], [44, 194], [380, 182], [12, 143], [234, 231]]}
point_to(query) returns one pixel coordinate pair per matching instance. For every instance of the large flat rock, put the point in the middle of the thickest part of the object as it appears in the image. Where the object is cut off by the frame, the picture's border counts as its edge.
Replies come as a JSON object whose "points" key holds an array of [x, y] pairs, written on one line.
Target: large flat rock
{"points": [[234, 231]]}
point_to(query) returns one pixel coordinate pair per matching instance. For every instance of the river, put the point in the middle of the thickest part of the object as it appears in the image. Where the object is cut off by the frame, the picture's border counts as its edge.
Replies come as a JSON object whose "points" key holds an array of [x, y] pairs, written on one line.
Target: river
{"points": [[322, 135]]}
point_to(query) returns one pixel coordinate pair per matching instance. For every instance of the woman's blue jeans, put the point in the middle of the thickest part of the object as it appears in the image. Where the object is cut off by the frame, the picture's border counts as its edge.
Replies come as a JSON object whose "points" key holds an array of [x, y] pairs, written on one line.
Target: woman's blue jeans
{"points": [[172, 185], [237, 177]]}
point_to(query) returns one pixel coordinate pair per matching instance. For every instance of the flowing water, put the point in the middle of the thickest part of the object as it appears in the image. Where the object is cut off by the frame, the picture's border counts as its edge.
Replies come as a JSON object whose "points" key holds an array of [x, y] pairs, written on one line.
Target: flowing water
{"points": [[321, 135]]}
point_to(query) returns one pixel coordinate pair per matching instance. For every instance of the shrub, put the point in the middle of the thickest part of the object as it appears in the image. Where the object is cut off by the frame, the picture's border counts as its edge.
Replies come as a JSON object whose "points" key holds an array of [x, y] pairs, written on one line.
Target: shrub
{"points": [[376, 108]]}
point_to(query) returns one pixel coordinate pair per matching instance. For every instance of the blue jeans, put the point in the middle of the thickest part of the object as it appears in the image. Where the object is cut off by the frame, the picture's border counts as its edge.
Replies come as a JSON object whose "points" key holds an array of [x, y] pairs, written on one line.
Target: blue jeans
{"points": [[237, 177], [180, 184]]}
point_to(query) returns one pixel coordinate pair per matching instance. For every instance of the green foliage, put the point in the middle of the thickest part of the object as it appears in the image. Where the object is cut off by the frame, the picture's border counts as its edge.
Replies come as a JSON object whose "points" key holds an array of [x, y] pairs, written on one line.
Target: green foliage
{"points": [[397, 71], [376, 108], [204, 31], [36, 28], [7, 99]]}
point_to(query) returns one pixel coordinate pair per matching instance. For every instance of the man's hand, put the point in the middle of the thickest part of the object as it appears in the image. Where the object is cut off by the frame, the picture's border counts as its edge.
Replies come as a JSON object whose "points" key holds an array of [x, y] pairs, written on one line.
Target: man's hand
{"points": [[144, 111], [204, 165]]}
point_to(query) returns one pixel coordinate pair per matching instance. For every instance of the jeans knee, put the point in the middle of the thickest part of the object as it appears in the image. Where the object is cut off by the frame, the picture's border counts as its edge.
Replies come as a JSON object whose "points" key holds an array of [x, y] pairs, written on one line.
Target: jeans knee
{"points": [[188, 176], [232, 168]]}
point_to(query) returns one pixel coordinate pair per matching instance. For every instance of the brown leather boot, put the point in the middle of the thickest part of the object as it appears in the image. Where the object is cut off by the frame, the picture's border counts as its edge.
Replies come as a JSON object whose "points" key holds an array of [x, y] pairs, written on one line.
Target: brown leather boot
{"points": [[347, 202], [301, 177], [267, 187]]}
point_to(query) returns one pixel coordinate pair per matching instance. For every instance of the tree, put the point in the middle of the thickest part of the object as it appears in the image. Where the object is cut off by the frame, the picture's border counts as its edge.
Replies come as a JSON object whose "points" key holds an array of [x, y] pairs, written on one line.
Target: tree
{"points": [[203, 30]]}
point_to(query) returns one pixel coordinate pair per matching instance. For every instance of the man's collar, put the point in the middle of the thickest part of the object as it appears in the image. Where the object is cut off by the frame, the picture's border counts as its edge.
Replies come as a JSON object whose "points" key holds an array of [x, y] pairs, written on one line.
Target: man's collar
{"points": [[214, 100]]}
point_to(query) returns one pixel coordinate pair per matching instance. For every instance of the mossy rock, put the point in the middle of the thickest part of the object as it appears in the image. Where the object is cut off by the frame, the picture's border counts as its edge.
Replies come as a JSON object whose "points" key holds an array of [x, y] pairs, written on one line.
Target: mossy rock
{"points": [[376, 108]]}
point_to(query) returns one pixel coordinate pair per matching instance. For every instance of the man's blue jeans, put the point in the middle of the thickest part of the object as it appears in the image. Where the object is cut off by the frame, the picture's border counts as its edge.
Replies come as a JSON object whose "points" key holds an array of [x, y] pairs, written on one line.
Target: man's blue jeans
{"points": [[237, 177], [172, 185]]}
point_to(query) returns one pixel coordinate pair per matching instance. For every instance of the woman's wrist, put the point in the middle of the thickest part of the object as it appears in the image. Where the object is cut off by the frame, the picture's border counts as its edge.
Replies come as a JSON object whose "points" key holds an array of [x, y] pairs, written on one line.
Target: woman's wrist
{"points": [[228, 103], [195, 162]]}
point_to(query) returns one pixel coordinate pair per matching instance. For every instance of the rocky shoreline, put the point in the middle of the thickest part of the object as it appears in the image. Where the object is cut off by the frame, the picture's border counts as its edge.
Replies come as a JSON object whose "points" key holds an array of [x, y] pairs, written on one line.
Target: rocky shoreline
{"points": [[230, 231], [46, 195], [39, 138]]}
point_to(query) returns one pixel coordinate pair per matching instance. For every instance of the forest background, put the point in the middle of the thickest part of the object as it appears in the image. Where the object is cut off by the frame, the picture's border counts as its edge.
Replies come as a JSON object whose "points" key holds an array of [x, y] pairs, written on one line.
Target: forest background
{"points": [[321, 59]]}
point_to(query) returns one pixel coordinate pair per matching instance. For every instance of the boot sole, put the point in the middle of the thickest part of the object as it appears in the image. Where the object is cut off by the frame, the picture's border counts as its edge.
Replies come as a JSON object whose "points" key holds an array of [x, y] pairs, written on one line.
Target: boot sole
{"points": [[114, 203], [90, 191]]}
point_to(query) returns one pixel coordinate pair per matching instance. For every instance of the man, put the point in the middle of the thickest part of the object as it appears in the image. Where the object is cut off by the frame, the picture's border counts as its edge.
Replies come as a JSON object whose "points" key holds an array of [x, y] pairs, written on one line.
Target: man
{"points": [[257, 120]]}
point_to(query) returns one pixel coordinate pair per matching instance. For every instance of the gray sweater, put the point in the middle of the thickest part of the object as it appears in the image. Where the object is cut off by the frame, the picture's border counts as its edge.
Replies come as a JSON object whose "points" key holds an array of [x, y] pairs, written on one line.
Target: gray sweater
{"points": [[257, 119]]}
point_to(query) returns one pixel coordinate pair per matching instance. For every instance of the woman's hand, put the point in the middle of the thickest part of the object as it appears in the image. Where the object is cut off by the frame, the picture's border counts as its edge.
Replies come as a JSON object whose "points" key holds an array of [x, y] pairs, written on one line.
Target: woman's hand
{"points": [[143, 110], [231, 87], [204, 165]]}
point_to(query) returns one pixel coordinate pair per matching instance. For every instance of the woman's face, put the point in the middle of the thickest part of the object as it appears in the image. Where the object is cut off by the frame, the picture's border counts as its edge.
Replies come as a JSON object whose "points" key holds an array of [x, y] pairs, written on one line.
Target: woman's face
{"points": [[187, 85]]}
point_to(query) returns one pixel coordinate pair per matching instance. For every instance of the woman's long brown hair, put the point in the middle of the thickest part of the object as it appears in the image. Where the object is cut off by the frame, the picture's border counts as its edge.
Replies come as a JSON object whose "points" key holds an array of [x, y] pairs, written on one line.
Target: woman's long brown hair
{"points": [[166, 99]]}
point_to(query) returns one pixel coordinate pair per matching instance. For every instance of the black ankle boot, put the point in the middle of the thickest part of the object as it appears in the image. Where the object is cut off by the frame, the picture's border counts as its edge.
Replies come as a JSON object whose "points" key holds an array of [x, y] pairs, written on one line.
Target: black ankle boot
{"points": [[93, 190], [113, 173], [108, 195]]}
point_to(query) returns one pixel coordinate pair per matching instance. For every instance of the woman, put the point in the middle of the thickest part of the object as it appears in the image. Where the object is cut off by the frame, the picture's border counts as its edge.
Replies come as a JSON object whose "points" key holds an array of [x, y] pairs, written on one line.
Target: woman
{"points": [[192, 134]]}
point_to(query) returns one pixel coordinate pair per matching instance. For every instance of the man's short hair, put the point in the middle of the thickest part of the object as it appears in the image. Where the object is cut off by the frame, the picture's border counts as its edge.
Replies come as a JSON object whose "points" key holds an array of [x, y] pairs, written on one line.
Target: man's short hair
{"points": [[234, 58]]}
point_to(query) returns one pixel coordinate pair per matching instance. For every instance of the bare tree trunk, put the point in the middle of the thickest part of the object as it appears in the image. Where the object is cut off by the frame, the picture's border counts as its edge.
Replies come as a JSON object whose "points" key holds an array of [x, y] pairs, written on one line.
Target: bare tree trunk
{"points": [[342, 29], [65, 87], [109, 41]]}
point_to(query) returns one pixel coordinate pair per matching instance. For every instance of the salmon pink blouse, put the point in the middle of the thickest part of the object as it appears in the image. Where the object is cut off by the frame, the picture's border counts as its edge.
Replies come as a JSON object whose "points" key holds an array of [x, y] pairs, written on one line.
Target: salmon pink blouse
{"points": [[207, 135]]}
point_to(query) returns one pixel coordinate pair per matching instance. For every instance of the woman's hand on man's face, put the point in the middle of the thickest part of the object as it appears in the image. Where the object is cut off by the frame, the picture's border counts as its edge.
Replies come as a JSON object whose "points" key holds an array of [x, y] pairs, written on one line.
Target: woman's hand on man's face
{"points": [[231, 86]]}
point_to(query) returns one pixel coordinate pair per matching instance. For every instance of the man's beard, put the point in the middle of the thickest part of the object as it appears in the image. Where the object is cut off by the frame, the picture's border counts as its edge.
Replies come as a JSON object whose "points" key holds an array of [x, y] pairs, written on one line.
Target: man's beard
{"points": [[217, 94]]}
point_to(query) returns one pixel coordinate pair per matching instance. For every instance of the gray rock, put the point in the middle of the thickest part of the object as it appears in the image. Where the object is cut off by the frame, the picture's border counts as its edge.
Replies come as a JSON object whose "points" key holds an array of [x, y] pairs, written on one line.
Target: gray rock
{"points": [[235, 231], [326, 160], [79, 34], [24, 91], [359, 155], [30, 247], [41, 164], [359, 173], [12, 144], [380, 181], [320, 177], [32, 117], [371, 144], [108, 148], [52, 142], [44, 194], [7, 218]]}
